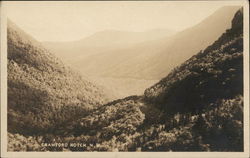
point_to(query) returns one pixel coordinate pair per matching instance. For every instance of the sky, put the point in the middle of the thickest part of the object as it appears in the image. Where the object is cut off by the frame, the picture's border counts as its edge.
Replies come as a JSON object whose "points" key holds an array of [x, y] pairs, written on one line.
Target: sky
{"points": [[69, 21]]}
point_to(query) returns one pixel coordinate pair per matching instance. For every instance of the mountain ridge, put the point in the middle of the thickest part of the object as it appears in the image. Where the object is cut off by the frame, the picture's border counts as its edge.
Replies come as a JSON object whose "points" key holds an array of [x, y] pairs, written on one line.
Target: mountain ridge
{"points": [[153, 60], [101, 42]]}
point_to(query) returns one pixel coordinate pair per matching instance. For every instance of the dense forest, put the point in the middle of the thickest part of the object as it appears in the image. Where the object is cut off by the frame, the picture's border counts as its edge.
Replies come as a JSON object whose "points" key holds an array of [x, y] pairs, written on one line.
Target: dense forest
{"points": [[198, 106], [43, 94]]}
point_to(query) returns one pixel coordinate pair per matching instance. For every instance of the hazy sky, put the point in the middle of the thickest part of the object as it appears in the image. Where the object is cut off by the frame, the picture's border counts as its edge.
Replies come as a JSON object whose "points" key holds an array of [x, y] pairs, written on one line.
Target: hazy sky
{"points": [[66, 21]]}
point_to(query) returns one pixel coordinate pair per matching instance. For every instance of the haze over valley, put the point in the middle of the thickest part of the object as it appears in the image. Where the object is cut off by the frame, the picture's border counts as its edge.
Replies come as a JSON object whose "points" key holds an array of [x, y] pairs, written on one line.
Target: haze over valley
{"points": [[129, 62]]}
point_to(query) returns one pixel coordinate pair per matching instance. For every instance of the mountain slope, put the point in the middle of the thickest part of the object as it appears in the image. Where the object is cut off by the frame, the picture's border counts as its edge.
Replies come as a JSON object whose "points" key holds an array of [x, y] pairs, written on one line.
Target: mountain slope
{"points": [[207, 90], [42, 92], [155, 59], [197, 107], [220, 64]]}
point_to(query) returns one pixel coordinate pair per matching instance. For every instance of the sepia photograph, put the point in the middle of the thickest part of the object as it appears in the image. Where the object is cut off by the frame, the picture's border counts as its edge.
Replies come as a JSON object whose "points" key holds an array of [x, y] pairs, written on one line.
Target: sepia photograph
{"points": [[162, 77]]}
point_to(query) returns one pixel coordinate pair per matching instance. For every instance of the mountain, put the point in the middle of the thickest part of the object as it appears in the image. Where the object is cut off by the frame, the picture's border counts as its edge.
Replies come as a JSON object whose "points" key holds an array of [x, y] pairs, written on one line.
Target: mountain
{"points": [[43, 93], [198, 106], [78, 55], [101, 42], [111, 38], [154, 59], [208, 86], [129, 62]]}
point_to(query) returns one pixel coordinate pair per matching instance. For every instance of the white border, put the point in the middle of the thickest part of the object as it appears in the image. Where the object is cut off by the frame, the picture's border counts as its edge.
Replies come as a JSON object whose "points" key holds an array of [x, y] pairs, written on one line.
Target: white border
{"points": [[4, 152], [3, 66]]}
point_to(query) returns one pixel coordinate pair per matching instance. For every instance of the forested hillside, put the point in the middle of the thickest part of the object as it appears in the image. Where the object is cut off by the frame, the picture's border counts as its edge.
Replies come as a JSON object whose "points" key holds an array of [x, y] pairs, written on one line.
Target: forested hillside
{"points": [[42, 93], [198, 106], [209, 87]]}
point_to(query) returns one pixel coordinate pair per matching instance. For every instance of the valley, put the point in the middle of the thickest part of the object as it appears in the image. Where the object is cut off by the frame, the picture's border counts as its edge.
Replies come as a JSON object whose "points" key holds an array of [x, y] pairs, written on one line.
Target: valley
{"points": [[183, 92]]}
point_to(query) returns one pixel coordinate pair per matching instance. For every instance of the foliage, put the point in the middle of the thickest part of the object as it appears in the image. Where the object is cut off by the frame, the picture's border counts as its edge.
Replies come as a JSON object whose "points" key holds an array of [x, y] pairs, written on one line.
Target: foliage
{"points": [[17, 142], [215, 73], [43, 94], [197, 107]]}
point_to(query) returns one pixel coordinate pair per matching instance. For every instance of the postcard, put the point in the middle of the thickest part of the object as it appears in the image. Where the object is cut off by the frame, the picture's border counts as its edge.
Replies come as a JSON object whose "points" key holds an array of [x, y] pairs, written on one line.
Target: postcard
{"points": [[125, 79]]}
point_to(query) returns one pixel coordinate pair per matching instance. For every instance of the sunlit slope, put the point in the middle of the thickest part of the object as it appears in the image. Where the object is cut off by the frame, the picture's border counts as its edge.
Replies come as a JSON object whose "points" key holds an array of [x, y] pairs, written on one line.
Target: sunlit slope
{"points": [[42, 92], [155, 59]]}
